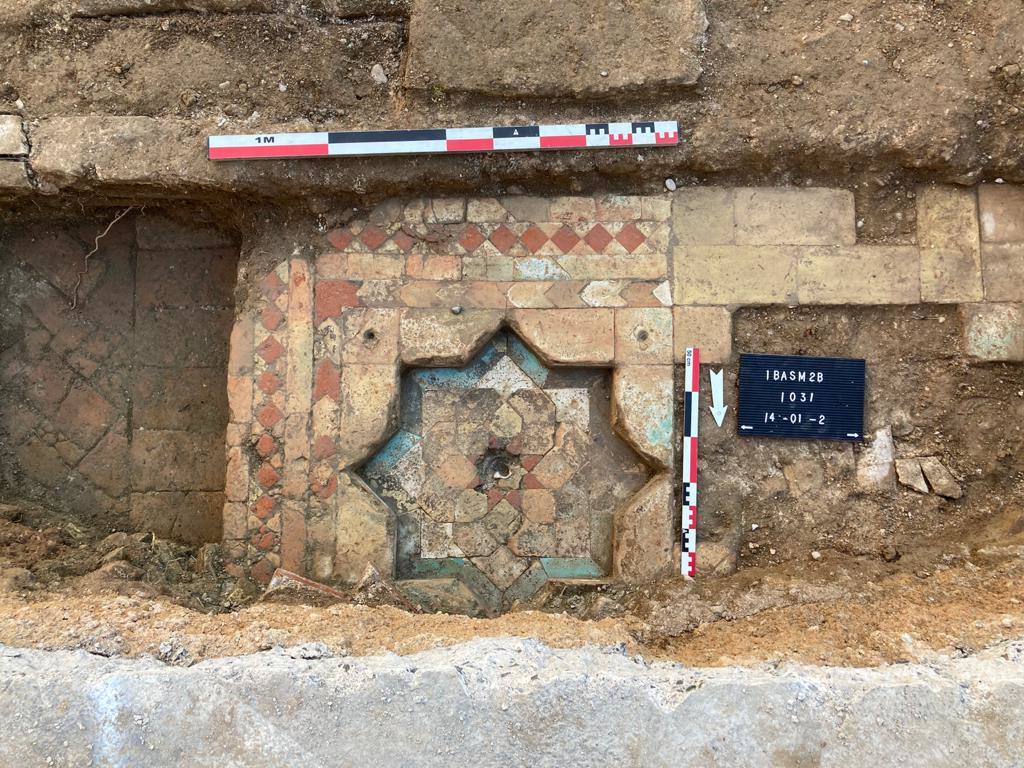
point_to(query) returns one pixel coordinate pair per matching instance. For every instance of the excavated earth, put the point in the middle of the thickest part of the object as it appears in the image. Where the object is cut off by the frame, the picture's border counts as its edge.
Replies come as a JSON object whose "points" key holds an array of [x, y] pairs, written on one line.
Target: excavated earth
{"points": [[867, 95]]}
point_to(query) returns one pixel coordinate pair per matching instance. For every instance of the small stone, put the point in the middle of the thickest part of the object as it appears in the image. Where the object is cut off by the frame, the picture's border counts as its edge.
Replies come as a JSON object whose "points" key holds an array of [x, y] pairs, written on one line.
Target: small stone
{"points": [[815, 555], [1011, 70], [378, 75], [939, 478], [456, 310], [908, 471], [875, 467], [847, 17], [670, 185]]}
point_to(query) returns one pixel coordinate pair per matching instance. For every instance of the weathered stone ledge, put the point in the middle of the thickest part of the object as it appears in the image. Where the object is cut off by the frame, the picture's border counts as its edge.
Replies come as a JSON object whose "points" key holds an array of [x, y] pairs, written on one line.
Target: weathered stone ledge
{"points": [[506, 702]]}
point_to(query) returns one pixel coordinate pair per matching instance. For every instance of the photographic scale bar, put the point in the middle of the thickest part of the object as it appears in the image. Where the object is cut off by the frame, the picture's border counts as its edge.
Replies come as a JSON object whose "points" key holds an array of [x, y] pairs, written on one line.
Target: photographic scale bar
{"points": [[524, 138]]}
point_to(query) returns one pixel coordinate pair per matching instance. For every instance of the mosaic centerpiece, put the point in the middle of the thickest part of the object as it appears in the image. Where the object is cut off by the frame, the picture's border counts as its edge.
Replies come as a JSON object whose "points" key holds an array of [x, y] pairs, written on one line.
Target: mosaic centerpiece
{"points": [[505, 473]]}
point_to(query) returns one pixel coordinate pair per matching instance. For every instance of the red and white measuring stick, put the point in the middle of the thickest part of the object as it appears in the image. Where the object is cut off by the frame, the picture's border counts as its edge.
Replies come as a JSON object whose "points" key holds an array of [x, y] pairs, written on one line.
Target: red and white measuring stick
{"points": [[691, 416], [520, 138]]}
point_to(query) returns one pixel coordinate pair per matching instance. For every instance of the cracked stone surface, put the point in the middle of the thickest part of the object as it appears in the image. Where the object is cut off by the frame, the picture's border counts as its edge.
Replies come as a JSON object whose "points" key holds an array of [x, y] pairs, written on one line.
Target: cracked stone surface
{"points": [[504, 472], [453, 707]]}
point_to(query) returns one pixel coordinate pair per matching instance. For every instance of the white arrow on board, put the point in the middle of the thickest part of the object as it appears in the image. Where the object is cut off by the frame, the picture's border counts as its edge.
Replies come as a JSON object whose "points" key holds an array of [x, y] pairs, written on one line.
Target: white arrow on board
{"points": [[718, 409]]}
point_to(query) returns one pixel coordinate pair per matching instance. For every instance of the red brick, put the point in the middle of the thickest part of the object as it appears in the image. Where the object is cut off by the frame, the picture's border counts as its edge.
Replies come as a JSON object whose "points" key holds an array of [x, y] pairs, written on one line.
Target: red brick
{"points": [[534, 239], [531, 482], [268, 382], [325, 490], [340, 238], [373, 236], [272, 317], [494, 495], [403, 240], [270, 349], [265, 445], [327, 381], [332, 296], [272, 286], [565, 238], [269, 415], [529, 461], [267, 475], [471, 238], [262, 571], [263, 507], [433, 267], [598, 238], [503, 238], [515, 498], [323, 447], [265, 542], [630, 237], [84, 416]]}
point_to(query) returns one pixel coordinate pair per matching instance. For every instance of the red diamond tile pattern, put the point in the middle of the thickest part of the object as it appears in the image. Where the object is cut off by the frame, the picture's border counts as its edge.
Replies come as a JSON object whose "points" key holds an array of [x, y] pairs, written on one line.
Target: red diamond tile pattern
{"points": [[373, 237], [534, 238], [598, 238], [503, 238], [565, 238], [630, 237], [471, 239]]}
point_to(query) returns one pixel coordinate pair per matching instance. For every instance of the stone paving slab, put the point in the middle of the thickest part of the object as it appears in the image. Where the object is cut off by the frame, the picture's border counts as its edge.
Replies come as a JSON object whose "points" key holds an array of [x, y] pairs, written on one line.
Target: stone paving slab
{"points": [[571, 48], [506, 702]]}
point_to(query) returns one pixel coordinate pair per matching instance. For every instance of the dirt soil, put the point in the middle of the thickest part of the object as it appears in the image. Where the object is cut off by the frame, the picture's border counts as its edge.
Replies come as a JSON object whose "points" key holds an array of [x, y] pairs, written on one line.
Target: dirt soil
{"points": [[132, 594], [880, 93]]}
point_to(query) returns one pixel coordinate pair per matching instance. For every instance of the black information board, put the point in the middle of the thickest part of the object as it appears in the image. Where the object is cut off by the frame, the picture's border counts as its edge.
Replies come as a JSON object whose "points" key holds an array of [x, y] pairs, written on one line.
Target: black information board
{"points": [[816, 398]]}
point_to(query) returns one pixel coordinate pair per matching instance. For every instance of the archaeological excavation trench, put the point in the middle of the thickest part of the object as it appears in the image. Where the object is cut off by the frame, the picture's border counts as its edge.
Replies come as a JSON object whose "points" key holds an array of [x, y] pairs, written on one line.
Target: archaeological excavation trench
{"points": [[266, 422]]}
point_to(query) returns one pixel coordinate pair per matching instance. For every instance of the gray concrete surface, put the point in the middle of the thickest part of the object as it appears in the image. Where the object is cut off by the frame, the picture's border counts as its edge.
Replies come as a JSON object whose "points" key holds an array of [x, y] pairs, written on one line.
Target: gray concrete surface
{"points": [[505, 703]]}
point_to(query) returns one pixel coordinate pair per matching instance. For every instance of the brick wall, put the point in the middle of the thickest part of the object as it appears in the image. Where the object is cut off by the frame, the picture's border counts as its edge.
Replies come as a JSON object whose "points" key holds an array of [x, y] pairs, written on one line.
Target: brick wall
{"points": [[115, 409]]}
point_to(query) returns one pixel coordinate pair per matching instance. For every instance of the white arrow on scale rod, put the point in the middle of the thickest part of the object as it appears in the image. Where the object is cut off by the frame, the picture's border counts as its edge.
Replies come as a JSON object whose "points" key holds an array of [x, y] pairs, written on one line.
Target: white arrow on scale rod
{"points": [[718, 409]]}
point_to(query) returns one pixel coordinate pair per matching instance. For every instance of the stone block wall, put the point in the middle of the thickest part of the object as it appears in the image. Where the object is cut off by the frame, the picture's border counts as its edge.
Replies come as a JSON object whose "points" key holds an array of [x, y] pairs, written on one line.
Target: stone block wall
{"points": [[624, 283], [112, 393]]}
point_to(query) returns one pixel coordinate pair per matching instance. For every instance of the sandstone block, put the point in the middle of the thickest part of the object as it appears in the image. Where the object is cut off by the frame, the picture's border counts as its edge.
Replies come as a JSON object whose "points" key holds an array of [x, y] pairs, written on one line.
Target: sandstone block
{"points": [[994, 331], [642, 405], [722, 274], [795, 216], [863, 274], [947, 235], [521, 50], [369, 399], [569, 336], [14, 176], [176, 461], [106, 466], [193, 399], [709, 328], [1003, 267], [84, 416], [370, 336], [643, 534], [12, 137], [440, 337], [365, 531], [704, 216], [1001, 213], [193, 517], [240, 346], [643, 335]]}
